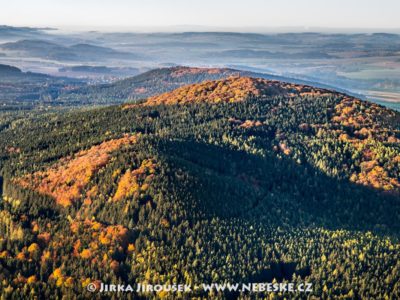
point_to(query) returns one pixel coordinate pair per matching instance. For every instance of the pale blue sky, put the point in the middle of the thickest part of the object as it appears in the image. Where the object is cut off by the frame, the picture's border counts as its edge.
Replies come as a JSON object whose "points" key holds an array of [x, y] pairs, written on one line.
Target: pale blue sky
{"points": [[218, 13]]}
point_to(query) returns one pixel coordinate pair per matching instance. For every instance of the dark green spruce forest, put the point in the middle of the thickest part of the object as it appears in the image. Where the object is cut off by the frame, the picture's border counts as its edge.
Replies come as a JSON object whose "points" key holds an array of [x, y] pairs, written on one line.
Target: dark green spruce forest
{"points": [[233, 179]]}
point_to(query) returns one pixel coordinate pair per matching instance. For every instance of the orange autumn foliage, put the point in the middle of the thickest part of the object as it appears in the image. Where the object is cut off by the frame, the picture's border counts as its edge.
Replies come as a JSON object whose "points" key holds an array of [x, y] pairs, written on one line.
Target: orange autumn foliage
{"points": [[33, 248], [376, 177], [104, 239], [354, 113], [69, 282], [135, 181], [46, 256], [66, 179], [88, 244], [57, 273], [31, 279], [114, 265], [35, 227], [285, 149], [362, 132], [74, 227], [92, 193], [232, 89], [77, 246], [117, 232], [4, 254], [131, 248], [96, 225], [127, 186], [21, 256], [20, 279], [44, 238], [85, 282], [165, 223], [250, 124], [86, 253]]}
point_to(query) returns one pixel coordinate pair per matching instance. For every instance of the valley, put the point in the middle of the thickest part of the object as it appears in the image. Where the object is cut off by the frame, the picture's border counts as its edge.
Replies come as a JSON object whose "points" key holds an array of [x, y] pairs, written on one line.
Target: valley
{"points": [[345, 61]]}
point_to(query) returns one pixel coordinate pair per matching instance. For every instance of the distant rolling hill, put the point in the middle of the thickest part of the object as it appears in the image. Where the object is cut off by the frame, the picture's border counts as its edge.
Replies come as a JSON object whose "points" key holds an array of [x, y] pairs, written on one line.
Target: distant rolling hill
{"points": [[143, 85], [31, 89], [6, 70], [8, 33], [260, 54], [158, 81], [21, 90], [87, 69], [53, 51], [93, 71]]}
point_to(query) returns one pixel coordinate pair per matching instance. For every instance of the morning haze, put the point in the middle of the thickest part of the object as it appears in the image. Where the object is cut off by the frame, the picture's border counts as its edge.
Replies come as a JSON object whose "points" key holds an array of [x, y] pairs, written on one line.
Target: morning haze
{"points": [[254, 14]]}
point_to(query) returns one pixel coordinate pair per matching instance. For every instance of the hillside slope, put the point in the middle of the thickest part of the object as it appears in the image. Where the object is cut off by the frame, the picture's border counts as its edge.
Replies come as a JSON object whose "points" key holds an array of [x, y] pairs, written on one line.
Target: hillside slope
{"points": [[144, 85], [52, 51], [34, 90], [233, 89], [157, 81], [20, 90], [286, 182]]}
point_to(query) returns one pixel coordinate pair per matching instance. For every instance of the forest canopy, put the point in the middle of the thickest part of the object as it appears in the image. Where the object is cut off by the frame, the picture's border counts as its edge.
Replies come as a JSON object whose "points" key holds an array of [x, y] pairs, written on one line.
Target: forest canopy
{"points": [[286, 182]]}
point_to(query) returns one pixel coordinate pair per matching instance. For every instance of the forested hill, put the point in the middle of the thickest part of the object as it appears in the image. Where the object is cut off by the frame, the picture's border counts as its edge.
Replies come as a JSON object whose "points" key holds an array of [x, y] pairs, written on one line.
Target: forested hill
{"points": [[236, 179], [234, 89], [34, 90], [26, 90], [143, 85], [155, 82], [7, 70]]}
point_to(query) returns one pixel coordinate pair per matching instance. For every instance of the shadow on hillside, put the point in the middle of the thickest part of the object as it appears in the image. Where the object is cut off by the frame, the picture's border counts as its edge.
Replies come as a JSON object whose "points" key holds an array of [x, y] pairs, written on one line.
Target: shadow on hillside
{"points": [[280, 271], [278, 192]]}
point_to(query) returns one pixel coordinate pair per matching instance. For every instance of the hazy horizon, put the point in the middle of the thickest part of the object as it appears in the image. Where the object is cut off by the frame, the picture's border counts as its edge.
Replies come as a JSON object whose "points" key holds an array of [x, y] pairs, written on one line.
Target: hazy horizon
{"points": [[254, 15], [200, 28]]}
